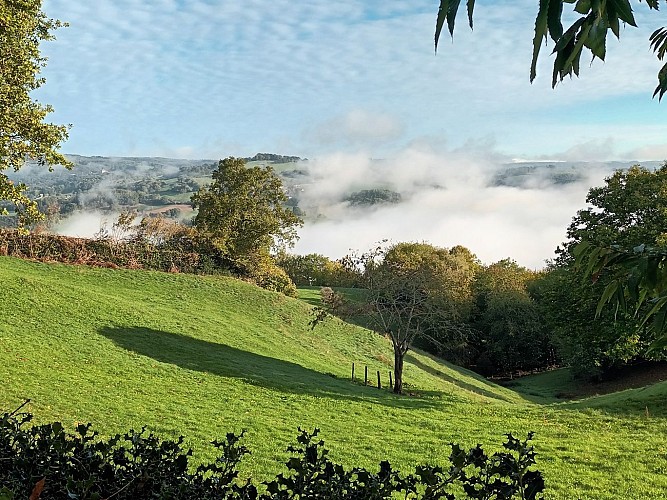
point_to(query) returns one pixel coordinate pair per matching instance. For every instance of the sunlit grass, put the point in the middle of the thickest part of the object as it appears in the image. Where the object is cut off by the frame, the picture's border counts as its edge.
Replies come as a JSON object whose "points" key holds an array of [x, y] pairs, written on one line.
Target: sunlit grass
{"points": [[201, 356]]}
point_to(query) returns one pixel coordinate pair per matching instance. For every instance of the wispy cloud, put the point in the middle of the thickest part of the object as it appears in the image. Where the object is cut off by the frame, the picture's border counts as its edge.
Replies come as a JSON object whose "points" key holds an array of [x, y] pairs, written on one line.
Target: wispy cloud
{"points": [[212, 78]]}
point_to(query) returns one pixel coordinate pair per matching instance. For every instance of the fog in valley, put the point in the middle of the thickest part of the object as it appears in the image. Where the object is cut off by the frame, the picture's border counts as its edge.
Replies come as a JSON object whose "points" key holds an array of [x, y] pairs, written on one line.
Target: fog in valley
{"points": [[497, 207], [447, 199]]}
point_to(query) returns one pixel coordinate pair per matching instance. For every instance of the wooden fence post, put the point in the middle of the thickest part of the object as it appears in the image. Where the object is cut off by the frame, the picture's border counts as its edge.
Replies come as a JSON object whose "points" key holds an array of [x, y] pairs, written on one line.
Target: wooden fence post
{"points": [[365, 375], [391, 384], [379, 383], [352, 372]]}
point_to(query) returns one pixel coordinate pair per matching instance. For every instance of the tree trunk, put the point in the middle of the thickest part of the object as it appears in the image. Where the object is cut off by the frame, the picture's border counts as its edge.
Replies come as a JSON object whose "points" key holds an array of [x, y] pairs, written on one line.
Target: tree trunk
{"points": [[398, 370]]}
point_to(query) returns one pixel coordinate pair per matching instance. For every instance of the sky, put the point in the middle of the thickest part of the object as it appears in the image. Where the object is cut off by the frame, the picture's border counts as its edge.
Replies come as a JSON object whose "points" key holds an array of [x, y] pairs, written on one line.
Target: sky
{"points": [[341, 82]]}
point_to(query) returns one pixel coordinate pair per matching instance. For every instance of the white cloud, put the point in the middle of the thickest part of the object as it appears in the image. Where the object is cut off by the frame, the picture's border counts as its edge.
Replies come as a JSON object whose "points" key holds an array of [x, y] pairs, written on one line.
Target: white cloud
{"points": [[449, 200], [357, 128], [134, 76]]}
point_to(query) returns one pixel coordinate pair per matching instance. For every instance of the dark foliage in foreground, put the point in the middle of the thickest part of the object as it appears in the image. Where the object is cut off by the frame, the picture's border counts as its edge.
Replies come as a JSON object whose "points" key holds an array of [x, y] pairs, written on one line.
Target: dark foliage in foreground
{"points": [[44, 461]]}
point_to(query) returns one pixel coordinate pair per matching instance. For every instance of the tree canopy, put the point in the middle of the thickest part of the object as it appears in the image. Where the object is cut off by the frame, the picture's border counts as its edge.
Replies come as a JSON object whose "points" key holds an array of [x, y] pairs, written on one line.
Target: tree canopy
{"points": [[241, 212], [23, 133], [626, 212], [416, 290], [595, 19]]}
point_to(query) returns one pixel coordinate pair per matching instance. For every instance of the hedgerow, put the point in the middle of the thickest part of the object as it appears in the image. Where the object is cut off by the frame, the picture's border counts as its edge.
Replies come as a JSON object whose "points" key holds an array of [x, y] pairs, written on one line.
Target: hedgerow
{"points": [[182, 253], [45, 461]]}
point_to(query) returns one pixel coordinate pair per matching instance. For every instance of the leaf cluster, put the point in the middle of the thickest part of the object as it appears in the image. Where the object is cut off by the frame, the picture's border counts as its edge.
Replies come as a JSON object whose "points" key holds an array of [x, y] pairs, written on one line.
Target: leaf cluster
{"points": [[638, 284], [596, 18], [45, 460]]}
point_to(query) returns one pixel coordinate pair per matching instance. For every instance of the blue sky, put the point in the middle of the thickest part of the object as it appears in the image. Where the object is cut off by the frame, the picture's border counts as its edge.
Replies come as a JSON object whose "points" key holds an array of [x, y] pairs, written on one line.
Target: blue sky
{"points": [[344, 81], [213, 78]]}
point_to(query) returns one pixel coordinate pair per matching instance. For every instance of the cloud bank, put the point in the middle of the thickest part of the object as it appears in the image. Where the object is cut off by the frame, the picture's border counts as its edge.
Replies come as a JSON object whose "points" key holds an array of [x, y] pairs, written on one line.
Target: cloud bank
{"points": [[448, 199]]}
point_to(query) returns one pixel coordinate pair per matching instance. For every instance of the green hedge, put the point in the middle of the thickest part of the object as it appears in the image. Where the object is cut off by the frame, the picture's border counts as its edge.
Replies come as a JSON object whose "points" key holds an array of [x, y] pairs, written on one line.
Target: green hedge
{"points": [[45, 461], [181, 254]]}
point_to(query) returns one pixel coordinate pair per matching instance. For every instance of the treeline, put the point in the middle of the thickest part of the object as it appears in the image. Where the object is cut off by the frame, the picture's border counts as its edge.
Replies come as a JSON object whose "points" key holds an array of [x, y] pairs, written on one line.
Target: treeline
{"points": [[487, 318], [503, 319], [274, 158]]}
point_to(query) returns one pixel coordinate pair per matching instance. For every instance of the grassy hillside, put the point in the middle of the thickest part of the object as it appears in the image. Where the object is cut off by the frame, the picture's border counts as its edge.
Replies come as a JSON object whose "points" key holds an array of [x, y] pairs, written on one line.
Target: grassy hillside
{"points": [[201, 356]]}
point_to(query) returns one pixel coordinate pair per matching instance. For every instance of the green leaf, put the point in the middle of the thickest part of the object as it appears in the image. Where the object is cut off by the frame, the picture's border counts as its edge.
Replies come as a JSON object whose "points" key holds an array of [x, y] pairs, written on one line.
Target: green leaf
{"points": [[658, 41], [660, 303], [440, 21], [608, 293], [624, 11], [451, 15], [583, 6], [569, 36], [471, 7], [573, 59], [597, 38], [554, 15], [541, 23], [661, 89]]}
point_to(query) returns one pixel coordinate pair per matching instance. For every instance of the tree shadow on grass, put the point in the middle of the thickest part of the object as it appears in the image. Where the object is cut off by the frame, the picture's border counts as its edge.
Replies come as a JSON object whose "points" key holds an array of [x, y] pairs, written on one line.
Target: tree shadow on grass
{"points": [[225, 361], [459, 383]]}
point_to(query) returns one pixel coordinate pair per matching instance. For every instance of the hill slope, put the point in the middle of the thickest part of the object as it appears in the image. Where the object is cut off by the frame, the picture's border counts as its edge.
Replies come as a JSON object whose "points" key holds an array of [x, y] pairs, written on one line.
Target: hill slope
{"points": [[201, 356]]}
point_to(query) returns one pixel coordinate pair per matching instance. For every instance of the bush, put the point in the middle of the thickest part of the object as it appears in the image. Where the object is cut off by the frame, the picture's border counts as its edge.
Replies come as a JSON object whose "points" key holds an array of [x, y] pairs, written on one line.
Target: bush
{"points": [[261, 269], [46, 461], [318, 270], [156, 245]]}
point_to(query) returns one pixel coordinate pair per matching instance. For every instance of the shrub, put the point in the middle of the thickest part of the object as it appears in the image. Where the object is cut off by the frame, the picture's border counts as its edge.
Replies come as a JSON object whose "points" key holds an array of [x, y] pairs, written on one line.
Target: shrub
{"points": [[46, 460], [155, 244]]}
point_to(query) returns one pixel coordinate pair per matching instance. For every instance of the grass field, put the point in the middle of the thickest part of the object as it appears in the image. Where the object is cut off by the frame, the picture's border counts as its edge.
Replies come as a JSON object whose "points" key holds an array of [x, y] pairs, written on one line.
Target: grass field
{"points": [[201, 356]]}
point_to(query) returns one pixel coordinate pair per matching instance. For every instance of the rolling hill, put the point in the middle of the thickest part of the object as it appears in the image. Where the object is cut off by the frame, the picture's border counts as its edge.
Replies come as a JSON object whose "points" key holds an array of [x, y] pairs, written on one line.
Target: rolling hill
{"points": [[201, 356]]}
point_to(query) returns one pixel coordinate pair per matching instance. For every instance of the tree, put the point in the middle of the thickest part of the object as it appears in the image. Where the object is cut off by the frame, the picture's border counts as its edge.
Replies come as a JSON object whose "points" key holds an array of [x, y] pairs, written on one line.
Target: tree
{"points": [[241, 212], [23, 133], [512, 336], [628, 211], [416, 290], [588, 32], [317, 270]]}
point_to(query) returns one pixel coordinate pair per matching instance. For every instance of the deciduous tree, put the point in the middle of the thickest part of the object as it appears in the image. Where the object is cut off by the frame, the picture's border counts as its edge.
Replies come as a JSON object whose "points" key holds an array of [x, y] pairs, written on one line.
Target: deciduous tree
{"points": [[629, 211], [512, 336], [241, 212], [418, 290], [24, 135]]}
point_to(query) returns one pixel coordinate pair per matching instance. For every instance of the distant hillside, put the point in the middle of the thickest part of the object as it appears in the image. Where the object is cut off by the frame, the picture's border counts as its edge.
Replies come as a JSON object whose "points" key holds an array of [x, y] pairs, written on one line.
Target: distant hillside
{"points": [[108, 185], [523, 174]]}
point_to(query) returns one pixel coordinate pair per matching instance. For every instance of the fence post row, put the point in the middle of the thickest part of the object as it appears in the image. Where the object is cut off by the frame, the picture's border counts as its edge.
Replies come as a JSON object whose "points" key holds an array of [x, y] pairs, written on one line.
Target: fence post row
{"points": [[391, 382]]}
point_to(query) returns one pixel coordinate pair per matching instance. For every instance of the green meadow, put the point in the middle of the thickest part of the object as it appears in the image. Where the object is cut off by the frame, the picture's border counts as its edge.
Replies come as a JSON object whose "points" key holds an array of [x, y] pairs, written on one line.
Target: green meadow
{"points": [[202, 356]]}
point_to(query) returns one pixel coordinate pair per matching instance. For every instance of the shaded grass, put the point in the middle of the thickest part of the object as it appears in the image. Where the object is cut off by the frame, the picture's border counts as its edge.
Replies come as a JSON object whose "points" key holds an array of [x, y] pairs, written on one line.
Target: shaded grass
{"points": [[202, 356]]}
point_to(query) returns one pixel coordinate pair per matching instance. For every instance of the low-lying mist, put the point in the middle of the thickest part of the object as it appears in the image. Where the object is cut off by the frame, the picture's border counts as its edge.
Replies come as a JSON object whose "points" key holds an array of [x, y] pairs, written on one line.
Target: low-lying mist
{"points": [[471, 196], [449, 198]]}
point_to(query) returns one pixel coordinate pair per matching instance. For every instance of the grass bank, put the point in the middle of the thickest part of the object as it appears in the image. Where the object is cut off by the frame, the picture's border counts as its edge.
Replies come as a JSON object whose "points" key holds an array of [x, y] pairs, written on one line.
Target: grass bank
{"points": [[201, 356]]}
